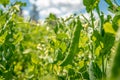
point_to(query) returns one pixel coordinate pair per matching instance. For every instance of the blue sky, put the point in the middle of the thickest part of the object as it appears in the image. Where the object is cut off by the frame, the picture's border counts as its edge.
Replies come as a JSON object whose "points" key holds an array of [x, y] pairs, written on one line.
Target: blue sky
{"points": [[103, 6], [59, 7]]}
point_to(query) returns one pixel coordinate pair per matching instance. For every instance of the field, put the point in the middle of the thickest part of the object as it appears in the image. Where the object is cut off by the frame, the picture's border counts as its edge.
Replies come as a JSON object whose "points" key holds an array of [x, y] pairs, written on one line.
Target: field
{"points": [[71, 48]]}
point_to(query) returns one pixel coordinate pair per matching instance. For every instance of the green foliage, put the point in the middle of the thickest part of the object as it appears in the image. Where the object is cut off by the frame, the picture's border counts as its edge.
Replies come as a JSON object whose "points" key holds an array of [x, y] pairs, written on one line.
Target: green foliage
{"points": [[90, 4], [61, 48], [4, 2], [74, 45], [113, 6], [115, 22], [116, 64], [94, 71]]}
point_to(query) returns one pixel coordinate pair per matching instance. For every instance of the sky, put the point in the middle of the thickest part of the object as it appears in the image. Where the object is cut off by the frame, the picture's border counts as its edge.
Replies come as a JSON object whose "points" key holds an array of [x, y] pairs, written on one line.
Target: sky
{"points": [[59, 7]]}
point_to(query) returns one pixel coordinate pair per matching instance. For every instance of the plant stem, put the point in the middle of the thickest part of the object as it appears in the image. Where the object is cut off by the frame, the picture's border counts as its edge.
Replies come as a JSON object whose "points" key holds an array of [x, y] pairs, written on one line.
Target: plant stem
{"points": [[92, 19], [101, 19], [102, 66], [101, 26]]}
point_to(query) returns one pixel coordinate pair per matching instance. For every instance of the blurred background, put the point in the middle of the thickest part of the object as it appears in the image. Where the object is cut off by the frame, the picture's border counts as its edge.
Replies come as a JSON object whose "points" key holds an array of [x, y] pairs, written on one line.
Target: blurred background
{"points": [[40, 9]]}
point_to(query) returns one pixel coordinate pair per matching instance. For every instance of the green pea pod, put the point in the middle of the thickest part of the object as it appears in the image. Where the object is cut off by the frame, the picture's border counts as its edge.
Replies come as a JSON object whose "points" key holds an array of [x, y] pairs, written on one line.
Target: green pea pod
{"points": [[74, 45]]}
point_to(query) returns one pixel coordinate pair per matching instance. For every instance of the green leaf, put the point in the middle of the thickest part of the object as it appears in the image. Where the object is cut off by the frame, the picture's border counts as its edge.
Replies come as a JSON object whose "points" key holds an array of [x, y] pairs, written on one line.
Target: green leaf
{"points": [[20, 3], [18, 37], [90, 4], [115, 22], [112, 7], [108, 28], [4, 2], [108, 42], [109, 2], [58, 56], [97, 38], [74, 45], [71, 71], [2, 38], [61, 36], [63, 46]]}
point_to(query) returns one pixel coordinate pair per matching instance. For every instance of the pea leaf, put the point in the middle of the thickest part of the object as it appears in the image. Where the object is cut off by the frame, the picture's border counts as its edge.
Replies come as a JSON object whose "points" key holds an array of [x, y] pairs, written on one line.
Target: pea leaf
{"points": [[108, 28], [115, 22], [108, 42], [109, 2], [90, 4], [4, 2]]}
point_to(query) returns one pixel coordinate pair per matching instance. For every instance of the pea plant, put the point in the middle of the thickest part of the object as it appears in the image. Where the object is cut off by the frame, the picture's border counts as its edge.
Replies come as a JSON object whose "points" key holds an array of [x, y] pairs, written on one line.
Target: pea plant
{"points": [[71, 48]]}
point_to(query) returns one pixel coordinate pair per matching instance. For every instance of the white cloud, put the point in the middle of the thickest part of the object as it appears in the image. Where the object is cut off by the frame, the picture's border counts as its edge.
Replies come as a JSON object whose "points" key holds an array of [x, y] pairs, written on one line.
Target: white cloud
{"points": [[75, 2], [59, 1], [32, 1], [25, 13], [58, 7], [42, 4], [46, 12], [63, 9], [66, 2]]}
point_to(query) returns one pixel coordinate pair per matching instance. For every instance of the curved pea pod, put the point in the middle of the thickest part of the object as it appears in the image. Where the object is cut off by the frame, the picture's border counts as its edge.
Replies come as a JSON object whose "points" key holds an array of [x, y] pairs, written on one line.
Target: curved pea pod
{"points": [[74, 45]]}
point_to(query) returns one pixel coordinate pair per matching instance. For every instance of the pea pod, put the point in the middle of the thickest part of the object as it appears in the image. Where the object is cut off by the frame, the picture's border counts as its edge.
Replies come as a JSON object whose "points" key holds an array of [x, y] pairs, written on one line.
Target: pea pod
{"points": [[74, 45]]}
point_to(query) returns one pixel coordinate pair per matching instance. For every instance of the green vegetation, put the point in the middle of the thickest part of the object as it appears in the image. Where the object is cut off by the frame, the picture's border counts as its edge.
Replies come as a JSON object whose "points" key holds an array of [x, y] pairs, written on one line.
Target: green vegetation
{"points": [[72, 48]]}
